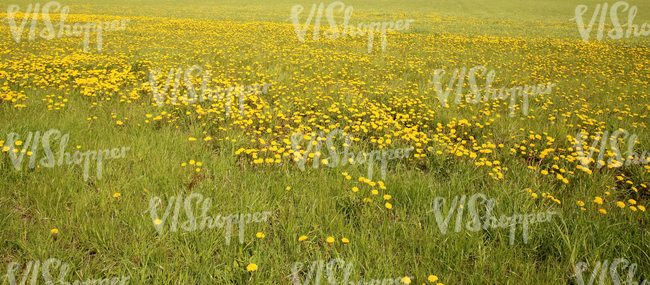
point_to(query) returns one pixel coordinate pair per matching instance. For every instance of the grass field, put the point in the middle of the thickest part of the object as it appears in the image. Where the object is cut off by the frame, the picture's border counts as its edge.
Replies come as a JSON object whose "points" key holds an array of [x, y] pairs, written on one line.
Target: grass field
{"points": [[103, 227]]}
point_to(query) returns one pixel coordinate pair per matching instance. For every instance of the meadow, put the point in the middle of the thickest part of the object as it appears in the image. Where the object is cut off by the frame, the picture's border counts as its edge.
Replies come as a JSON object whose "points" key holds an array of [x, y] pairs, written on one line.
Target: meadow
{"points": [[103, 227]]}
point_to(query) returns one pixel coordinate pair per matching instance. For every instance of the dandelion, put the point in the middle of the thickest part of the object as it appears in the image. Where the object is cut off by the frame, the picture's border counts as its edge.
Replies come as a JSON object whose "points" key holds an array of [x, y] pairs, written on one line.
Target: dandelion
{"points": [[432, 278], [387, 197], [406, 280], [375, 192], [641, 208], [116, 195], [602, 211], [581, 204], [344, 240], [633, 208], [191, 139], [598, 200], [54, 231], [355, 189], [302, 238], [620, 204], [192, 162], [251, 267], [260, 235], [632, 201], [330, 240], [288, 188], [389, 206], [157, 222], [119, 123]]}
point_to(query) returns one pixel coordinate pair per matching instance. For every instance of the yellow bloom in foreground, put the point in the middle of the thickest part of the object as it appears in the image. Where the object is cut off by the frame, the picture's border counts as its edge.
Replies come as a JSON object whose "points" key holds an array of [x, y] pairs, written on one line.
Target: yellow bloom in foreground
{"points": [[302, 238], [199, 164], [288, 188], [192, 162], [119, 123], [375, 192], [620, 204], [355, 189], [641, 208], [598, 200], [387, 197], [344, 240], [389, 206], [534, 195], [433, 278], [191, 139], [116, 195], [157, 222], [580, 203], [632, 201], [330, 240], [633, 208], [251, 267], [406, 280], [602, 211], [54, 231], [260, 235]]}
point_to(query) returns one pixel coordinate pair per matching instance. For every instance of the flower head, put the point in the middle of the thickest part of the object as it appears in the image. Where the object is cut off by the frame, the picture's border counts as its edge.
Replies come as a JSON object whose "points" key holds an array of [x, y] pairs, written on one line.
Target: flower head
{"points": [[116, 195], [251, 267], [302, 238], [330, 240], [54, 231]]}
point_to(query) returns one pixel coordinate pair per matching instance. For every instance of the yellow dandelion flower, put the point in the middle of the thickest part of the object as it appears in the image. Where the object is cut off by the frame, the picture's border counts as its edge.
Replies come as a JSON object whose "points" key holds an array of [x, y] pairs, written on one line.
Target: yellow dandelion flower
{"points": [[54, 231], [620, 204], [302, 238], [355, 189], [580, 203], [602, 211], [633, 208], [157, 222], [432, 278], [389, 206], [251, 267], [641, 208], [344, 240], [406, 280], [191, 139], [387, 197], [260, 235], [116, 195], [632, 201], [330, 240]]}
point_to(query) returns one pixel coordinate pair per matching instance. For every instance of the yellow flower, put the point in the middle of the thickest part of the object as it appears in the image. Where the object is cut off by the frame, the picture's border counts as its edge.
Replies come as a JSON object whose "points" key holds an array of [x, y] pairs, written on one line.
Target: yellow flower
{"points": [[355, 189], [302, 238], [192, 162], [288, 188], [602, 211], [433, 278], [207, 139], [580, 203], [620, 204], [387, 197], [191, 139], [375, 192], [251, 267], [389, 206], [344, 240], [119, 123], [19, 143], [598, 200], [406, 280], [633, 208], [642, 208], [260, 235], [116, 195], [330, 240], [534, 195], [632, 201], [198, 169], [157, 222], [199, 164], [54, 231]]}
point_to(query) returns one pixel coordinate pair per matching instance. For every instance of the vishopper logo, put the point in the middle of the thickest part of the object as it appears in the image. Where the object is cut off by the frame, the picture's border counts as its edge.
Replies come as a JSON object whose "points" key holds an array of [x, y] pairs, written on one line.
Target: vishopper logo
{"points": [[49, 160], [206, 93], [617, 159], [334, 160], [333, 266], [333, 33], [613, 270], [49, 32], [205, 220], [475, 225], [617, 32], [513, 93], [47, 266]]}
